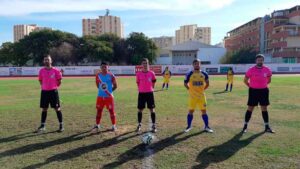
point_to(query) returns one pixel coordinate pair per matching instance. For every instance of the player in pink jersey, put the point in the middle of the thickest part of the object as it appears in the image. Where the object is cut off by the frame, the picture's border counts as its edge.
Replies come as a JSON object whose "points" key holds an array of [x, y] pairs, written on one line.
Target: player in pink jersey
{"points": [[257, 79], [50, 80], [146, 81]]}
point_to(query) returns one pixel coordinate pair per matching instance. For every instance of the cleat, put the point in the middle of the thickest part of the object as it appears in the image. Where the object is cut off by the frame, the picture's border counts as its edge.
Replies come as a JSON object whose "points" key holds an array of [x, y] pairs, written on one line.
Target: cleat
{"points": [[114, 128], [41, 129], [208, 129], [188, 129], [139, 128], [269, 130], [96, 129], [61, 128], [154, 129]]}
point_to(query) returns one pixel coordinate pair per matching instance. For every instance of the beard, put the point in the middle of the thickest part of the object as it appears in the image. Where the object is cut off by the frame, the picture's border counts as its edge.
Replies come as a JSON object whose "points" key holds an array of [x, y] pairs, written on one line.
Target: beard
{"points": [[259, 64]]}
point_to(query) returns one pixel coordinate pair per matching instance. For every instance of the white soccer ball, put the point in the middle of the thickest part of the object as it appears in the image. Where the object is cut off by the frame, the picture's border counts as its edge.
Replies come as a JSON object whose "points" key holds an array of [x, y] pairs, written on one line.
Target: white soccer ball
{"points": [[147, 138], [103, 86]]}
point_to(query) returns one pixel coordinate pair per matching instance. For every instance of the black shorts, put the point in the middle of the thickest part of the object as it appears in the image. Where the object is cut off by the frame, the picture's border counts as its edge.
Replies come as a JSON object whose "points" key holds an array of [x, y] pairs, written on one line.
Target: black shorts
{"points": [[51, 97], [260, 96], [144, 98]]}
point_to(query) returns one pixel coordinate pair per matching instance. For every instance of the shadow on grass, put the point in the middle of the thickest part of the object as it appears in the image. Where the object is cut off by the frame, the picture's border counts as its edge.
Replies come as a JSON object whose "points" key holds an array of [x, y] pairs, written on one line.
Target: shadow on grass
{"points": [[39, 146], [22, 136], [85, 149], [221, 92], [141, 151], [222, 152]]}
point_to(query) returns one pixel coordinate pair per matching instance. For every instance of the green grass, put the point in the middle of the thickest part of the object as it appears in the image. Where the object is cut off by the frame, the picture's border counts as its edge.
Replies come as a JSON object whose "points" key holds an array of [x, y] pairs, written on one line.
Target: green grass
{"points": [[77, 148]]}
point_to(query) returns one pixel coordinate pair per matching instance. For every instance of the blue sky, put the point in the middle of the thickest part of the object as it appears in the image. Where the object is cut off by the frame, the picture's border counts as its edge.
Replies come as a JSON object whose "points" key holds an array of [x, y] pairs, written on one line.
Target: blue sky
{"points": [[152, 17]]}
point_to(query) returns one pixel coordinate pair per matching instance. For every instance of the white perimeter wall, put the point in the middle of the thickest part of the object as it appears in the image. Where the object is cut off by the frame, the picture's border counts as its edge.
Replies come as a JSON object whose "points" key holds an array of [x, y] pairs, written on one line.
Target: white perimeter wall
{"points": [[130, 70]]}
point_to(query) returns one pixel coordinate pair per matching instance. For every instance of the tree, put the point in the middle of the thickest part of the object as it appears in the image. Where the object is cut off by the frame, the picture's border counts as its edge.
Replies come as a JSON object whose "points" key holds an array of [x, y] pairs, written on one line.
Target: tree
{"points": [[242, 56], [139, 46], [6, 53], [96, 50]]}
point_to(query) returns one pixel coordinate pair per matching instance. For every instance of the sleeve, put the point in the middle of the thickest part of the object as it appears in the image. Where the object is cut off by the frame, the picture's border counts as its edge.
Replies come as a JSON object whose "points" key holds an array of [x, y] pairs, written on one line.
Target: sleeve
{"points": [[205, 75], [269, 72], [153, 77], [40, 75], [137, 78], [58, 75], [113, 77], [248, 73], [187, 77], [163, 73], [97, 79]]}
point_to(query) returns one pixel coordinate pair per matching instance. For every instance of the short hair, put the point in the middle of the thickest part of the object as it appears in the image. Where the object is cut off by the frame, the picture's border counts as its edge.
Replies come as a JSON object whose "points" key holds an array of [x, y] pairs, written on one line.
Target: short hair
{"points": [[47, 55], [260, 56], [145, 60], [104, 63], [196, 60]]}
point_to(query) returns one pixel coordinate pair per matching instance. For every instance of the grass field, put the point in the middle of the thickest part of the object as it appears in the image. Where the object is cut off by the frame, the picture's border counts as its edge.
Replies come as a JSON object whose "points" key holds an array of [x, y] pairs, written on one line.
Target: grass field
{"points": [[77, 148]]}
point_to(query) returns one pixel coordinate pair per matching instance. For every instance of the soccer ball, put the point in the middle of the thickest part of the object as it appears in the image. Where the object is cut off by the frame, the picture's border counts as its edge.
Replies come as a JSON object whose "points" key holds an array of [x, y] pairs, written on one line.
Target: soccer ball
{"points": [[147, 138], [103, 86]]}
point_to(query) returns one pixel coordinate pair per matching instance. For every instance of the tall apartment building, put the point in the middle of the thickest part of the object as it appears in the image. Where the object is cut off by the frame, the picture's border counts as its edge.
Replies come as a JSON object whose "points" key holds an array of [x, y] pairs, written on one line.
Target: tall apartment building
{"points": [[102, 25], [244, 36], [276, 35], [164, 41], [20, 31], [194, 33]]}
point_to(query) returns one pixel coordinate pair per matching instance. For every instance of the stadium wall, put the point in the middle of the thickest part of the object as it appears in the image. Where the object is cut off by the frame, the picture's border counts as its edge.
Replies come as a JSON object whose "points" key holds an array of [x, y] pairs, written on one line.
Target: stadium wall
{"points": [[130, 70]]}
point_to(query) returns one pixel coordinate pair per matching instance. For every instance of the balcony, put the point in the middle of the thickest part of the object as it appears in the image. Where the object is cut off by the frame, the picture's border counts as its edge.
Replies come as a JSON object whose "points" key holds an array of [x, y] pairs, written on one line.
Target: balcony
{"points": [[278, 44], [287, 54], [279, 35]]}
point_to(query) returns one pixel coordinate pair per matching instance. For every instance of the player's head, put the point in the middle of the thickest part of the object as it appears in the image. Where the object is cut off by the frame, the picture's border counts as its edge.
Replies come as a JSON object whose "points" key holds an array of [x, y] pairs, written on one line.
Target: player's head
{"points": [[104, 67], [167, 68], [196, 64], [230, 68], [47, 60], [145, 64], [259, 60]]}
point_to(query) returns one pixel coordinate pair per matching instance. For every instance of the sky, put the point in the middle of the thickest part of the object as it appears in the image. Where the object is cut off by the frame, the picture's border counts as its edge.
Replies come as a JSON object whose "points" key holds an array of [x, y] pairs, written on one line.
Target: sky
{"points": [[152, 17]]}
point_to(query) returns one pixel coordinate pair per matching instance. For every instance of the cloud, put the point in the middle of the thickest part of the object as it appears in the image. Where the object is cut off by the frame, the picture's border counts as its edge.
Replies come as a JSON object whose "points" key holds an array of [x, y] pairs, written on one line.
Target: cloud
{"points": [[23, 7]]}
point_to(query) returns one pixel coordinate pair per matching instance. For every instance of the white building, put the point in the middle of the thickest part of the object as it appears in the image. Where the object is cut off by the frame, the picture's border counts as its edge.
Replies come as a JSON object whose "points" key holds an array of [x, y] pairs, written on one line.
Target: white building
{"points": [[185, 53]]}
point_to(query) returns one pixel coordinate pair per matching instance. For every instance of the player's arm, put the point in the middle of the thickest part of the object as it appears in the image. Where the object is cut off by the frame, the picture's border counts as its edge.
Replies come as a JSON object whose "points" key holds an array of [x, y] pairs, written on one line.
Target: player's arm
{"points": [[186, 80], [246, 80], [58, 82], [97, 81], [114, 82], [153, 81], [58, 78], [40, 78], [206, 81], [206, 84], [269, 76]]}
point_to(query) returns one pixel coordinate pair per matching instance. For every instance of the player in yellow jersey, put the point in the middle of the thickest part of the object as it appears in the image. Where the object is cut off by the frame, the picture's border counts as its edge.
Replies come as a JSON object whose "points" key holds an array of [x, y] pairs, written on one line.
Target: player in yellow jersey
{"points": [[166, 75], [230, 75], [196, 82]]}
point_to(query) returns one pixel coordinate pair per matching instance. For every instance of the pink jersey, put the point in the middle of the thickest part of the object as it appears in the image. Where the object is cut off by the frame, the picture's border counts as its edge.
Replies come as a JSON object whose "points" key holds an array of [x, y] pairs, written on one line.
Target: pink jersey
{"points": [[145, 81], [49, 78], [259, 77]]}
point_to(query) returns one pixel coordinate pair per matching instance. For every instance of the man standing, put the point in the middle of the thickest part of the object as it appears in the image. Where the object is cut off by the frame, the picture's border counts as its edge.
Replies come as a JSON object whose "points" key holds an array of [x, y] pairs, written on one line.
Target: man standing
{"points": [[106, 84], [230, 74], [166, 75], [196, 82], [257, 79], [50, 79], [145, 80]]}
